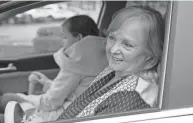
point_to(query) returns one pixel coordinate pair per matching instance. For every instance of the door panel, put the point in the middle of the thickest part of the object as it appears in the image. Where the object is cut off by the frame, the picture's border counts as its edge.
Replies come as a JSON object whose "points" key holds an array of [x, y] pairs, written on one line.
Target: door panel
{"points": [[18, 81], [40, 62]]}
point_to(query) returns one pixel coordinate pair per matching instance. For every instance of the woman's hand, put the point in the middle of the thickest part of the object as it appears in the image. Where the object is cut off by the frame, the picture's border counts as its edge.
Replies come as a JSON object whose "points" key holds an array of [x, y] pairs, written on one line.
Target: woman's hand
{"points": [[37, 77]]}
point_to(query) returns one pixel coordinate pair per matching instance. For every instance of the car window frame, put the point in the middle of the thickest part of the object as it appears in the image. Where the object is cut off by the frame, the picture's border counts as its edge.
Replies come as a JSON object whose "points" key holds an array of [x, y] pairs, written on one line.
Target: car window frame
{"points": [[164, 66]]}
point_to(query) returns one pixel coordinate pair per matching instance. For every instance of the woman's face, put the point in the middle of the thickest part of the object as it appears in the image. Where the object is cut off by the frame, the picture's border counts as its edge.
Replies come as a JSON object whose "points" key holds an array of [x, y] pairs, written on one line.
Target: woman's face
{"points": [[126, 47], [68, 38]]}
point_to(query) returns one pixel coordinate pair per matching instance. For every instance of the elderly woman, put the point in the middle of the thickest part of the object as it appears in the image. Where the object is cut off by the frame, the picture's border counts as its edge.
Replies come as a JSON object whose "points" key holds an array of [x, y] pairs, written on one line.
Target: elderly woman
{"points": [[134, 46]]}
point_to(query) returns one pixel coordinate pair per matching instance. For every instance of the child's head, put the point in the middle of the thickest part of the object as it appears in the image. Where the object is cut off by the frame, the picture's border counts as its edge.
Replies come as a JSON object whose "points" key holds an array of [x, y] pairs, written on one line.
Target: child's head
{"points": [[77, 27]]}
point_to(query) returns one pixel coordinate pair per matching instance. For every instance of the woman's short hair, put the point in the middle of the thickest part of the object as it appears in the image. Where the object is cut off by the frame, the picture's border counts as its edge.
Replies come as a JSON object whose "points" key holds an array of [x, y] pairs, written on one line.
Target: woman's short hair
{"points": [[82, 24], [154, 21]]}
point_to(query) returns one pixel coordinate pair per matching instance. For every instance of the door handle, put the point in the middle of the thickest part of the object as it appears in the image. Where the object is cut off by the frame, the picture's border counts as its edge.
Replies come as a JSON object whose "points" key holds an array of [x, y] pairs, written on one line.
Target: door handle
{"points": [[10, 67]]}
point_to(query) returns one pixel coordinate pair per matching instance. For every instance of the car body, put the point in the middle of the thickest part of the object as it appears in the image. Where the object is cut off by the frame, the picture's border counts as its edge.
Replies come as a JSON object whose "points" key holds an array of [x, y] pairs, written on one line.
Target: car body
{"points": [[175, 84]]}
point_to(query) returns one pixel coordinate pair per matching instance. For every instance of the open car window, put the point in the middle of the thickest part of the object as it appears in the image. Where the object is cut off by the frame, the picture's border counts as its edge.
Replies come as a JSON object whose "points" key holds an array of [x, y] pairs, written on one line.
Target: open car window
{"points": [[37, 31]]}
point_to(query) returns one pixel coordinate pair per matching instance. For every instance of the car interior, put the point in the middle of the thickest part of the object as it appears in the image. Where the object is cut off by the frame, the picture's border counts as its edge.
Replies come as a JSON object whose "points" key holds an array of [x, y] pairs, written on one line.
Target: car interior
{"points": [[14, 70]]}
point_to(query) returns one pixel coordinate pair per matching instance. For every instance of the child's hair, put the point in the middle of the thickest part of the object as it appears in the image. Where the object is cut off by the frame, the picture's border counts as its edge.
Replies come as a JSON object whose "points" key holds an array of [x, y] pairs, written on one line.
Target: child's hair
{"points": [[82, 24], [153, 21]]}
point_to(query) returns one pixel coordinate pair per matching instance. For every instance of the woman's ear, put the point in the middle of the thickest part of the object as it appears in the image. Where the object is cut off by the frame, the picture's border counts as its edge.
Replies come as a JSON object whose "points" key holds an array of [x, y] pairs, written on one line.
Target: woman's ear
{"points": [[150, 62]]}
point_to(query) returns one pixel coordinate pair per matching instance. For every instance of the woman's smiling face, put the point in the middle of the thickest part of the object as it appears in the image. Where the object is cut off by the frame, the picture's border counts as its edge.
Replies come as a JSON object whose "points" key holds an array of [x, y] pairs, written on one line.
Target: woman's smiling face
{"points": [[126, 47]]}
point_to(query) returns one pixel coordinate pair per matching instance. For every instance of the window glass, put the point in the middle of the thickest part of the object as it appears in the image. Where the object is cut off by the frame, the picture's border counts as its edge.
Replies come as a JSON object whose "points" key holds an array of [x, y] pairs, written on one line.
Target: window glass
{"points": [[37, 31]]}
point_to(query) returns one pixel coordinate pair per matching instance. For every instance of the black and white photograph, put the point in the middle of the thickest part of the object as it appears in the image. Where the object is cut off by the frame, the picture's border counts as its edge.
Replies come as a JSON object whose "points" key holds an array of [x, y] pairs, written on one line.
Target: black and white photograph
{"points": [[96, 61]]}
